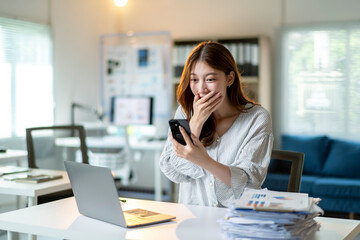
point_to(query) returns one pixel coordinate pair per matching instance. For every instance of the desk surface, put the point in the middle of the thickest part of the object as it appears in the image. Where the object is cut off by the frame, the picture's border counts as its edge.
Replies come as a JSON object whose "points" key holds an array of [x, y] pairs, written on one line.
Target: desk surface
{"points": [[38, 189], [111, 142], [61, 219], [13, 155]]}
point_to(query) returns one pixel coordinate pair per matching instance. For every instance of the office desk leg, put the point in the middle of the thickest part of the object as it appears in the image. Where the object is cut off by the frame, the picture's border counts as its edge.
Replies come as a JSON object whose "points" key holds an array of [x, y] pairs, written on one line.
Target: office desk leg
{"points": [[13, 235], [32, 237], [10, 235], [157, 177], [32, 201], [18, 202]]}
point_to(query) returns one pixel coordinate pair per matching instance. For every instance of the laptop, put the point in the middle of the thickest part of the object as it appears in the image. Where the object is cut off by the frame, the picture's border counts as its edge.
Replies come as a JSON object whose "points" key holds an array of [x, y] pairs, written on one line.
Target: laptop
{"points": [[97, 197]]}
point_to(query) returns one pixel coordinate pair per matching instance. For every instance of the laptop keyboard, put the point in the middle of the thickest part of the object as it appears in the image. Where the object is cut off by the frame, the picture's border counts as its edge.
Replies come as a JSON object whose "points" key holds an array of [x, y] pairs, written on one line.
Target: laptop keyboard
{"points": [[138, 212], [132, 221]]}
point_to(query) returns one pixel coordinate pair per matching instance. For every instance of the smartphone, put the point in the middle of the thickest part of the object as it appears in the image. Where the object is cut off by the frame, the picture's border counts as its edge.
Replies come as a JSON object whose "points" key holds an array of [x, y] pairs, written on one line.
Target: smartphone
{"points": [[174, 126]]}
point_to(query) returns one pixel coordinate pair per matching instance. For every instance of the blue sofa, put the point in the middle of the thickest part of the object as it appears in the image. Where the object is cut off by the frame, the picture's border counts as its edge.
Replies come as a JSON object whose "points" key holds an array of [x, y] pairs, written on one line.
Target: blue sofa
{"points": [[331, 171]]}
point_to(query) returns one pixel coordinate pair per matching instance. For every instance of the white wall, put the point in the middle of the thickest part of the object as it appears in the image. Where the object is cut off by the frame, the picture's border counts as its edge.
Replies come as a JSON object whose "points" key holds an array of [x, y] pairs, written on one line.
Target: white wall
{"points": [[77, 25], [320, 11], [202, 18], [33, 10]]}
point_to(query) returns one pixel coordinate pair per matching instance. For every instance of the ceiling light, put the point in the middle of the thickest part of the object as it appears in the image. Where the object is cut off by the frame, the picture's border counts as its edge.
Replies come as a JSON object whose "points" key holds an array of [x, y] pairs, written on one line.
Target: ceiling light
{"points": [[120, 3]]}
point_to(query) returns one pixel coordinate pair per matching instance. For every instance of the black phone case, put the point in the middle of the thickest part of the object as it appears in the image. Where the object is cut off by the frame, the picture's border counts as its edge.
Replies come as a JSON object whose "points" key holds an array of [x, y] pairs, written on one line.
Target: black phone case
{"points": [[174, 126]]}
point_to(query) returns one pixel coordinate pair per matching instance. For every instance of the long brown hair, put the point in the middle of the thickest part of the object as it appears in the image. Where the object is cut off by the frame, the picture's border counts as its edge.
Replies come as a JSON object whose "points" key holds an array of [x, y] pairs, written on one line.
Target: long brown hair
{"points": [[218, 57]]}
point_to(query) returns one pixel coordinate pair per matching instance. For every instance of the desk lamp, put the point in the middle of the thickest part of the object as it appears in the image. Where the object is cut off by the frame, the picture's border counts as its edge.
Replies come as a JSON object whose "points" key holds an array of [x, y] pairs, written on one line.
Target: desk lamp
{"points": [[96, 111]]}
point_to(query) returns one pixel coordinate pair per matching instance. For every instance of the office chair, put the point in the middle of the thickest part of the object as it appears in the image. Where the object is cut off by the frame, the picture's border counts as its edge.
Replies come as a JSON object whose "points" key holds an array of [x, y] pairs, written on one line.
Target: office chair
{"points": [[119, 160], [44, 153], [297, 162]]}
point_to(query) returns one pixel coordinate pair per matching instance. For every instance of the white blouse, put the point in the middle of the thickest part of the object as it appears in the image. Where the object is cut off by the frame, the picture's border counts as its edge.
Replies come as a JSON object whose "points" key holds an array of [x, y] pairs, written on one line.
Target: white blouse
{"points": [[246, 148]]}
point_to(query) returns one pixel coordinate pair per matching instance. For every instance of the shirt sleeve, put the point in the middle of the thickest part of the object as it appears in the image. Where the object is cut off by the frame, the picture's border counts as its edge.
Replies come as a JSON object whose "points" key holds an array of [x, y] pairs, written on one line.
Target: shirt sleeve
{"points": [[251, 163], [175, 168]]}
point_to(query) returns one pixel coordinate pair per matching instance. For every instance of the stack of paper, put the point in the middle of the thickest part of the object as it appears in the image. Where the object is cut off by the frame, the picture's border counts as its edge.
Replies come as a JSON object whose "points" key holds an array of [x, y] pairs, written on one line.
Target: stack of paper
{"points": [[29, 178], [5, 170], [264, 214]]}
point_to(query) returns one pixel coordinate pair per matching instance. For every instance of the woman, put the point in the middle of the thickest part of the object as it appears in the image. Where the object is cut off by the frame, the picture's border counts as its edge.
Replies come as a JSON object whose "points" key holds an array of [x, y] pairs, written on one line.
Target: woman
{"points": [[232, 136]]}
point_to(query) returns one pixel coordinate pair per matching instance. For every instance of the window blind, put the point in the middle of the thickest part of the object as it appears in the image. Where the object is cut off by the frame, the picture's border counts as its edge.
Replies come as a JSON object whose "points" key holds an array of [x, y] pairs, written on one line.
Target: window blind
{"points": [[320, 81], [26, 76]]}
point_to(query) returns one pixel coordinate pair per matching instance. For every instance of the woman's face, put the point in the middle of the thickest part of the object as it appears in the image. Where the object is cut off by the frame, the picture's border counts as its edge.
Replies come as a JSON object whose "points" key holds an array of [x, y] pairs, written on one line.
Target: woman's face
{"points": [[205, 79]]}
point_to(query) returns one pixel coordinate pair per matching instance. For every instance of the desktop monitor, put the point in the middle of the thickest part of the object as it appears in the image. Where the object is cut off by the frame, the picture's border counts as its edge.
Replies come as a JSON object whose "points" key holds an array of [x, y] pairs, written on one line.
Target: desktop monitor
{"points": [[131, 110]]}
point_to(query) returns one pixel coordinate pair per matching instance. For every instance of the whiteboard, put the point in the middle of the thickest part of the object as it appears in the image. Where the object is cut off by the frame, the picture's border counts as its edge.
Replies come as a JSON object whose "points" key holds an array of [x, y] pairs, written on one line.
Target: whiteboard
{"points": [[138, 64]]}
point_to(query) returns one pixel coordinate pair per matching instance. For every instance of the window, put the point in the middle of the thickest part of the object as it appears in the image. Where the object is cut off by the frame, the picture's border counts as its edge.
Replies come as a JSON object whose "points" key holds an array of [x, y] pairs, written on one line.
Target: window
{"points": [[321, 81], [26, 82]]}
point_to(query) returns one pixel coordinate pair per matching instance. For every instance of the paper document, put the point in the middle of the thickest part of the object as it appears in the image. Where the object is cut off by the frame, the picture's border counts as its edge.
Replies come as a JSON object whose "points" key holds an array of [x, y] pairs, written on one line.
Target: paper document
{"points": [[28, 178], [264, 214], [264, 200]]}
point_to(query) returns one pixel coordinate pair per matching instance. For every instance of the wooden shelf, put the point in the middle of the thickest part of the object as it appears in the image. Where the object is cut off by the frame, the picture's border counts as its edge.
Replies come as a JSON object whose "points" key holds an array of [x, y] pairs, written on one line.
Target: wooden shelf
{"points": [[257, 87], [176, 80], [250, 79]]}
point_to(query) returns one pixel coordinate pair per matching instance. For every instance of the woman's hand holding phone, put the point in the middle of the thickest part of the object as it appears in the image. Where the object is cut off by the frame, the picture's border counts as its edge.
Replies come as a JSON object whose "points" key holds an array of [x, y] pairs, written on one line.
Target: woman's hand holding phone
{"points": [[175, 125], [193, 150]]}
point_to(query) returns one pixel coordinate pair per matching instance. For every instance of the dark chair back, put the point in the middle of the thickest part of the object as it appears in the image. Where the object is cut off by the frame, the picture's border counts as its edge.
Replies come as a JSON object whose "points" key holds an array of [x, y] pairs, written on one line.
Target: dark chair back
{"points": [[78, 130], [297, 162], [41, 146]]}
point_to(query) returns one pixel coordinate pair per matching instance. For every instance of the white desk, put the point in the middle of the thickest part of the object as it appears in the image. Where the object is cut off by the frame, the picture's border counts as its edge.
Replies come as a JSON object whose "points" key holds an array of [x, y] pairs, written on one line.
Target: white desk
{"points": [[119, 142], [61, 219], [11, 155], [33, 191], [110, 142]]}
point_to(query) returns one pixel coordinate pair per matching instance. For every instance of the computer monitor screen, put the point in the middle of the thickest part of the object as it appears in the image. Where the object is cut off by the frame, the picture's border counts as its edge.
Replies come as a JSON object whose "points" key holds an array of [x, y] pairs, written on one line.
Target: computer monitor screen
{"points": [[131, 110]]}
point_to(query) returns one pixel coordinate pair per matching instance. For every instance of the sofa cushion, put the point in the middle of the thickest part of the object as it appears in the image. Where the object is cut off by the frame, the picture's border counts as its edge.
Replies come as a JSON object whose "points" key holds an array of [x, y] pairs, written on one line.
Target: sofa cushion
{"points": [[307, 183], [336, 187], [314, 147], [279, 182], [276, 182], [343, 159], [339, 204]]}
